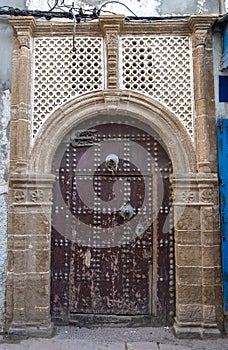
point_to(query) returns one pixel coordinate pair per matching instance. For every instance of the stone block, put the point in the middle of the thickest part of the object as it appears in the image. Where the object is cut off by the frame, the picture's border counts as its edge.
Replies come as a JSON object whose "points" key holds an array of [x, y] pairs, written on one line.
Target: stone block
{"points": [[188, 255], [38, 223], [218, 295], [37, 297], [38, 241], [211, 256], [211, 275], [209, 314], [19, 261], [208, 295], [210, 238], [187, 237], [189, 312], [188, 275], [189, 294], [42, 260], [17, 223], [187, 219], [19, 242]]}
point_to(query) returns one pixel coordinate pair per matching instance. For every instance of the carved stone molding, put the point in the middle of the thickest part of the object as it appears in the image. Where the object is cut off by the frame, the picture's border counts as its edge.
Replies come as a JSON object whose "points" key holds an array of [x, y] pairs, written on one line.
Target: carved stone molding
{"points": [[111, 27], [19, 196], [30, 192], [23, 28], [195, 190], [200, 26], [24, 40], [207, 196], [187, 196]]}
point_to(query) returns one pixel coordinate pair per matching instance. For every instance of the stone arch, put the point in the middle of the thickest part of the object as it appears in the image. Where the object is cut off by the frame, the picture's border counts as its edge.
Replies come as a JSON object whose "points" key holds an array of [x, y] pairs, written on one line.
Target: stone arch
{"points": [[30, 211], [135, 105]]}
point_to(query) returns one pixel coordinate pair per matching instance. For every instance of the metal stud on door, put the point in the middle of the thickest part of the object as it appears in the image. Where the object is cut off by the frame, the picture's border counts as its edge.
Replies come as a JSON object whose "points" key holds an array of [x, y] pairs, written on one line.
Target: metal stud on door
{"points": [[112, 206]]}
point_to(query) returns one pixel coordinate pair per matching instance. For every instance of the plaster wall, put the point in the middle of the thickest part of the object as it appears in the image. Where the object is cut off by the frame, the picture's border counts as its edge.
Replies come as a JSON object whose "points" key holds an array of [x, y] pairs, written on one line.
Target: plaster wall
{"points": [[144, 7], [5, 94], [5, 80]]}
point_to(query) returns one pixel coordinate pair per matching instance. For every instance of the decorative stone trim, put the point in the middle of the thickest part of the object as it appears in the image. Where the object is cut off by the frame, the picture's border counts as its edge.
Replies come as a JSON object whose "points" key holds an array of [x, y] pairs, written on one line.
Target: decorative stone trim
{"points": [[37, 196], [19, 196], [207, 196], [111, 27], [203, 90], [187, 196], [23, 28]]}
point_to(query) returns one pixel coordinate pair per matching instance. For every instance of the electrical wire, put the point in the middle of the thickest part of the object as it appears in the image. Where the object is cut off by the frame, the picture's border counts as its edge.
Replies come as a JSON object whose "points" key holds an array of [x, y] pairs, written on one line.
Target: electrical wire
{"points": [[53, 7], [61, 10], [116, 2]]}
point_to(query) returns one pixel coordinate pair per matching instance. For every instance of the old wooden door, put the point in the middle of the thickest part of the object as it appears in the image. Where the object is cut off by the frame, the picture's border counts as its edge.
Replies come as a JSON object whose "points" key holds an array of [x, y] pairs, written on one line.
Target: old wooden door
{"points": [[112, 234]]}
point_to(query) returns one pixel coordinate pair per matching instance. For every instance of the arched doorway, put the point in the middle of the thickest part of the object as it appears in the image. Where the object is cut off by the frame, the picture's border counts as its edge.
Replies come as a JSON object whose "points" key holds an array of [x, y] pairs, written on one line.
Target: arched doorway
{"points": [[33, 190], [112, 256]]}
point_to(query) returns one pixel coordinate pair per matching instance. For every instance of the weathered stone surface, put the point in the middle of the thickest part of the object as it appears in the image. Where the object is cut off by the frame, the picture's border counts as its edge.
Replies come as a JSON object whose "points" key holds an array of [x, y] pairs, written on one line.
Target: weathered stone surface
{"points": [[189, 294], [183, 258], [188, 275], [187, 312], [211, 256], [188, 237], [194, 186]]}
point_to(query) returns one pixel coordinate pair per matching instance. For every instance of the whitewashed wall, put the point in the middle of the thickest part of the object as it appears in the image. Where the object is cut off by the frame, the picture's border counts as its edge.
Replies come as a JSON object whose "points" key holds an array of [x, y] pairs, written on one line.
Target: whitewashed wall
{"points": [[145, 7]]}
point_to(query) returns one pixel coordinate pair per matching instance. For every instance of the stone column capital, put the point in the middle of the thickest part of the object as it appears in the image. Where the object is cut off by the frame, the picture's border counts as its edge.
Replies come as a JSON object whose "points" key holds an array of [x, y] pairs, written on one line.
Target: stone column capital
{"points": [[200, 25], [23, 28], [201, 22], [111, 23]]}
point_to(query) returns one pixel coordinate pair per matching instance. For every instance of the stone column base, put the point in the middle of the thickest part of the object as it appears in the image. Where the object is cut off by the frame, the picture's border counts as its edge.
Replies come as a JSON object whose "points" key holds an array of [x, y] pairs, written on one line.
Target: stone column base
{"points": [[194, 330], [19, 332]]}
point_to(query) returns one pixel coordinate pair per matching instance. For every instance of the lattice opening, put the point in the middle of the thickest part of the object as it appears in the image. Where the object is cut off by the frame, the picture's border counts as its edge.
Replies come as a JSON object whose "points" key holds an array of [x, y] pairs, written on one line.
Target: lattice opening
{"points": [[160, 66], [60, 74]]}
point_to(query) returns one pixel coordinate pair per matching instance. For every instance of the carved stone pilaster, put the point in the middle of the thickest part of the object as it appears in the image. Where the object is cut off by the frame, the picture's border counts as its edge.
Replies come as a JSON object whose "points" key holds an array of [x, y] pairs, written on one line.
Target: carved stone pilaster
{"points": [[111, 27], [203, 91], [198, 290], [28, 279], [23, 28]]}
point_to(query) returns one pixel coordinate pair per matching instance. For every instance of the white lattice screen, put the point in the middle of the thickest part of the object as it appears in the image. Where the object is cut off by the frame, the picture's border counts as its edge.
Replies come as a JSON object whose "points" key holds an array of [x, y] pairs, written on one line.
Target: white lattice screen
{"points": [[60, 74], [160, 66]]}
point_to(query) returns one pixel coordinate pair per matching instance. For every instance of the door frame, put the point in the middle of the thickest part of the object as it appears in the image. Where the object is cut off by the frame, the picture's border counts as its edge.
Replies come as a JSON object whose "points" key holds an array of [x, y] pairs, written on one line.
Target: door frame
{"points": [[194, 194]]}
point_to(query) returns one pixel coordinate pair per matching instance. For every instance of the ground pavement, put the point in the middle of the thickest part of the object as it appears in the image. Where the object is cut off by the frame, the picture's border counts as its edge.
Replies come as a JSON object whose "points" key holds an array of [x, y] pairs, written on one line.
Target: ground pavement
{"points": [[74, 338]]}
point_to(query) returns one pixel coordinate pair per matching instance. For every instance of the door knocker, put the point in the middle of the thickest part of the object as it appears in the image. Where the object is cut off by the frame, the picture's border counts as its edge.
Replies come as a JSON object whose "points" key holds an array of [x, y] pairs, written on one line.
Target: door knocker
{"points": [[112, 161]]}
